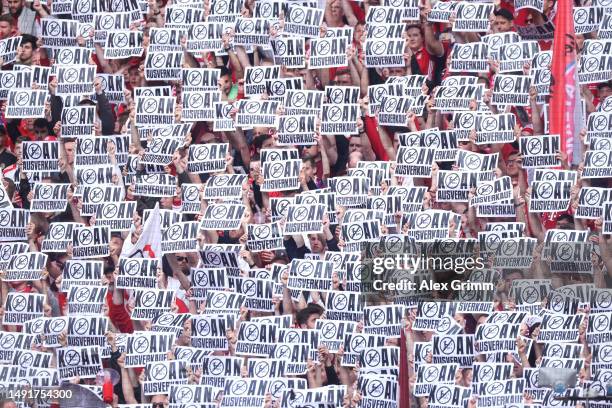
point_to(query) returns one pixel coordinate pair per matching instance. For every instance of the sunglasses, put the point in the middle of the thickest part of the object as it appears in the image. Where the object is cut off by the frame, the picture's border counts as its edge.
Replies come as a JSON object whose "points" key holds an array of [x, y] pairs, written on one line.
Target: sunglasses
{"points": [[181, 258]]}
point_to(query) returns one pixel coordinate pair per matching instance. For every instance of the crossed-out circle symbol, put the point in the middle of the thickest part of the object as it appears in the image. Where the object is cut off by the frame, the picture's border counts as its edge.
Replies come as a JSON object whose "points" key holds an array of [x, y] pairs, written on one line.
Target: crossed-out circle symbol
{"points": [[257, 75], [148, 299], [132, 268], [443, 395], [297, 15], [334, 114], [565, 251], [276, 170], [506, 84], [34, 151], [452, 180], [252, 107], [219, 300], [465, 52], [545, 190], [600, 122], [221, 7], [85, 237], [305, 269], [599, 158], [344, 187], [159, 372], [203, 327], [261, 231], [71, 75], [484, 189], [468, 12], [161, 37], [591, 64], [72, 358], [158, 60], [281, 47], [178, 15], [5, 218], [581, 16], [378, 47], [87, 145], [423, 220], [513, 51], [46, 191], [377, 317], [21, 261], [375, 388], [473, 162], [8, 80], [106, 22], [379, 15], [449, 91], [410, 156], [604, 299], [120, 40], [53, 28], [58, 231], [199, 32], [150, 106]]}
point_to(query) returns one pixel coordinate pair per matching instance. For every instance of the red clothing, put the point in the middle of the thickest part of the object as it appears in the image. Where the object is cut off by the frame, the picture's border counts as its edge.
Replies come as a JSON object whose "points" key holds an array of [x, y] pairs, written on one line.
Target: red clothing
{"points": [[377, 145], [118, 315], [426, 62]]}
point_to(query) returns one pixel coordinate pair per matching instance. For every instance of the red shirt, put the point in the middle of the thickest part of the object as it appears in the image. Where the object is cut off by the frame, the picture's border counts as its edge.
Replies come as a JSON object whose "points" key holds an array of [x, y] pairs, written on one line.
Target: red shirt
{"points": [[425, 61]]}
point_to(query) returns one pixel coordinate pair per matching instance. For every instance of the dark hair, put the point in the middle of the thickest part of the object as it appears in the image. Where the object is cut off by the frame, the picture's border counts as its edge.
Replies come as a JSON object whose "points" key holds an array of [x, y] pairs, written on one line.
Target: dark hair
{"points": [[502, 12], [225, 71], [8, 19], [259, 140], [302, 316], [41, 123], [27, 38], [602, 85], [310, 159], [417, 26]]}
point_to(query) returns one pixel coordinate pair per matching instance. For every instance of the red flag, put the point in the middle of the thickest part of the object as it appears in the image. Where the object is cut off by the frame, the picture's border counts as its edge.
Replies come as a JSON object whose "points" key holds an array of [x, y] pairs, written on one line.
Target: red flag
{"points": [[404, 379], [563, 101]]}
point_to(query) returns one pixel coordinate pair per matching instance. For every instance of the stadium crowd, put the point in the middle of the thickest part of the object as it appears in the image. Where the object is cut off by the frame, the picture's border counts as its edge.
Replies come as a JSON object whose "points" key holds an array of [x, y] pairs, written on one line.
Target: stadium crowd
{"points": [[263, 231]]}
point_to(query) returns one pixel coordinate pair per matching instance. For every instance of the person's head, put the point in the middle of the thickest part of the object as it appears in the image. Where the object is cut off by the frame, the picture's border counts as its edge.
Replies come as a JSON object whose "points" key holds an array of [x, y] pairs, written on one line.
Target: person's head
{"points": [[263, 141], [307, 317], [604, 90], [317, 243], [15, 6], [6, 26], [309, 167], [565, 221], [225, 81], [343, 78], [41, 128], [7, 403], [69, 146], [310, 151], [134, 76], [183, 262], [355, 144], [414, 33], [116, 244], [358, 31], [503, 21], [28, 46], [335, 10], [510, 275], [513, 164]]}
